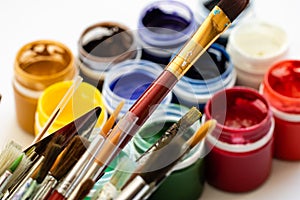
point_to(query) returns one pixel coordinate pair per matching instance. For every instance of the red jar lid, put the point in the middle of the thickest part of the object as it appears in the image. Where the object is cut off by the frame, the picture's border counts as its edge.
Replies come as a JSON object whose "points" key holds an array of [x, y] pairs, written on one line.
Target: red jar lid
{"points": [[281, 86], [243, 115]]}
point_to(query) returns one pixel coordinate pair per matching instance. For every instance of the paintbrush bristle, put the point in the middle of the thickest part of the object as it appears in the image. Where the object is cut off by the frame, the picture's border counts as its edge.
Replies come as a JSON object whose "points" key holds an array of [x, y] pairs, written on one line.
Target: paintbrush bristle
{"points": [[70, 156], [189, 118], [85, 188], [232, 8], [204, 129], [8, 155], [52, 152]]}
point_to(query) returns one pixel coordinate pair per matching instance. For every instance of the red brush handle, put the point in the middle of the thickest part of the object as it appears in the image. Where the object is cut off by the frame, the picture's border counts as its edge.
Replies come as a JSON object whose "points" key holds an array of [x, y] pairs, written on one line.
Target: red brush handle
{"points": [[56, 196]]}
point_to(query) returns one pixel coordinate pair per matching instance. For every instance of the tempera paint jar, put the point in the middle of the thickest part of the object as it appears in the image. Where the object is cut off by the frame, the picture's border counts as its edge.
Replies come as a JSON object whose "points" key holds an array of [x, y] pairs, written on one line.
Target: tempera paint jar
{"points": [[187, 178], [240, 149], [101, 46], [204, 7], [254, 47], [281, 87], [38, 65], [85, 98], [212, 72], [163, 27], [126, 81]]}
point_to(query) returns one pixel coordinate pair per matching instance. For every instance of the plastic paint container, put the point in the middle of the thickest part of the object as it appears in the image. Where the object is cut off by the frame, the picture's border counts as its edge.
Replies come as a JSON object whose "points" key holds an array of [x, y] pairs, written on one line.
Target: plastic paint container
{"points": [[101, 46], [211, 73], [126, 81], [163, 27], [241, 146], [205, 6], [38, 65], [254, 47], [187, 178], [281, 87], [85, 98]]}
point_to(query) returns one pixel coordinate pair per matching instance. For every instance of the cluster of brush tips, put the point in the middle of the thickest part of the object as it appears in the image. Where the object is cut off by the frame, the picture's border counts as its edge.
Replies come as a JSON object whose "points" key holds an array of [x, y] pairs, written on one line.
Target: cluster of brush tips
{"points": [[67, 163]]}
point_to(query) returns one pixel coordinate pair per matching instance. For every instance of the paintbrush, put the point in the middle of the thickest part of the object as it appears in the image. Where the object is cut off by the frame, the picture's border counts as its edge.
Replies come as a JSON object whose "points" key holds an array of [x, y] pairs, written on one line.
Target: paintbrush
{"points": [[103, 158], [28, 186], [83, 124], [154, 171], [5, 177], [60, 106], [9, 154], [76, 174], [111, 189], [65, 161], [178, 128], [213, 26]]}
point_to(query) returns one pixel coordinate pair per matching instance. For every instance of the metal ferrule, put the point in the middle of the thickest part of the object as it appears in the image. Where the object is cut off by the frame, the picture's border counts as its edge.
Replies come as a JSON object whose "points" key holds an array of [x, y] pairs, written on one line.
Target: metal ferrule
{"points": [[45, 188], [4, 179], [214, 25], [135, 190]]}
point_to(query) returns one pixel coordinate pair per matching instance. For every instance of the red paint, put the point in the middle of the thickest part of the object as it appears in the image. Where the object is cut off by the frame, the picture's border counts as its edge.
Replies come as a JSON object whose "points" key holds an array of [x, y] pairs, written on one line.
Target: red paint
{"points": [[244, 118], [281, 87], [56, 196]]}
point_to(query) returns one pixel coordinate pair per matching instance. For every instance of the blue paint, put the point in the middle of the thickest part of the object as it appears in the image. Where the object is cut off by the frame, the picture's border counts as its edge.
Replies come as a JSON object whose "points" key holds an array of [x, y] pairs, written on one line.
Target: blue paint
{"points": [[131, 85], [217, 11]]}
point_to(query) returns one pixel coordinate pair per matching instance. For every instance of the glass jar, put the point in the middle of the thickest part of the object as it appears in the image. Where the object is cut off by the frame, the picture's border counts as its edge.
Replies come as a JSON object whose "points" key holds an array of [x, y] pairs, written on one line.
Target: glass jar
{"points": [[211, 73], [38, 65], [101, 46], [240, 149], [163, 27], [126, 81], [190, 170], [281, 87], [253, 48]]}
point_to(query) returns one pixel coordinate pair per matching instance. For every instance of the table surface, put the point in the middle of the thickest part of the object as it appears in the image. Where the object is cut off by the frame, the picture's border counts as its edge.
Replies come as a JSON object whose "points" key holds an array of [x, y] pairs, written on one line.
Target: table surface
{"points": [[64, 20]]}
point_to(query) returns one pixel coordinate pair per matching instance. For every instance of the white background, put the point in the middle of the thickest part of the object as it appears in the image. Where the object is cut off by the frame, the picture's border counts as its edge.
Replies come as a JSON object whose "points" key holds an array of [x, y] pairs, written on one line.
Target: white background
{"points": [[23, 21]]}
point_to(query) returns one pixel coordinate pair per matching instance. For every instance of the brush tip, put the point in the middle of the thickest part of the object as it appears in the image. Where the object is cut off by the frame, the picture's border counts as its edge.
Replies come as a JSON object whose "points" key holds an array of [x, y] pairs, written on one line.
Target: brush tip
{"points": [[232, 8], [85, 188]]}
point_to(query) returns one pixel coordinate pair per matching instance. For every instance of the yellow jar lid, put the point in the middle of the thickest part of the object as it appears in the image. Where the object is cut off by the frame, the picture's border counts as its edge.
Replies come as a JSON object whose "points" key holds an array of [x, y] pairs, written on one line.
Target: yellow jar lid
{"points": [[85, 98]]}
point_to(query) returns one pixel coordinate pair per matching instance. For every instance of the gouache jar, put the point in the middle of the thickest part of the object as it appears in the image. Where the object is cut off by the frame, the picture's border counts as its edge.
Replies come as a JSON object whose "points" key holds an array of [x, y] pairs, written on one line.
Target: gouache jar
{"points": [[254, 47], [212, 72], [163, 27], [85, 98], [101, 46], [281, 87], [126, 81], [240, 149], [38, 65], [204, 7], [187, 178]]}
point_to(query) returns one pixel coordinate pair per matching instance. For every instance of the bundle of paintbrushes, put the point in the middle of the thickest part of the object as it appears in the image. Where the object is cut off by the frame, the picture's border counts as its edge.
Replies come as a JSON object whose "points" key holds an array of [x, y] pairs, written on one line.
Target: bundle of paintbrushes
{"points": [[65, 165]]}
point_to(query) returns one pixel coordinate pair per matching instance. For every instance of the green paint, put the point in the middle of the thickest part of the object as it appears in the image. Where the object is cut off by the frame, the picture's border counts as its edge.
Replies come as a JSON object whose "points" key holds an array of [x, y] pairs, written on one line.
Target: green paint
{"points": [[16, 163]]}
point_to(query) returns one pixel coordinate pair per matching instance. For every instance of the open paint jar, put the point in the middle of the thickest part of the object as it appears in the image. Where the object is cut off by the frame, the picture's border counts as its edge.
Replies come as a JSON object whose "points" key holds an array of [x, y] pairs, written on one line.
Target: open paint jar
{"points": [[85, 98], [204, 7], [38, 65], [126, 81], [240, 149], [101, 46], [253, 48], [281, 87], [163, 27], [187, 178], [212, 72]]}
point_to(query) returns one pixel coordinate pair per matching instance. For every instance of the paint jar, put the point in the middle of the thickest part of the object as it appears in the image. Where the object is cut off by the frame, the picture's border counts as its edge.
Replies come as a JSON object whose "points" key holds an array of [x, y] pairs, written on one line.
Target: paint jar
{"points": [[126, 81], [85, 98], [38, 65], [281, 87], [163, 27], [240, 149], [187, 178], [101, 46], [254, 47], [204, 7], [212, 72]]}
